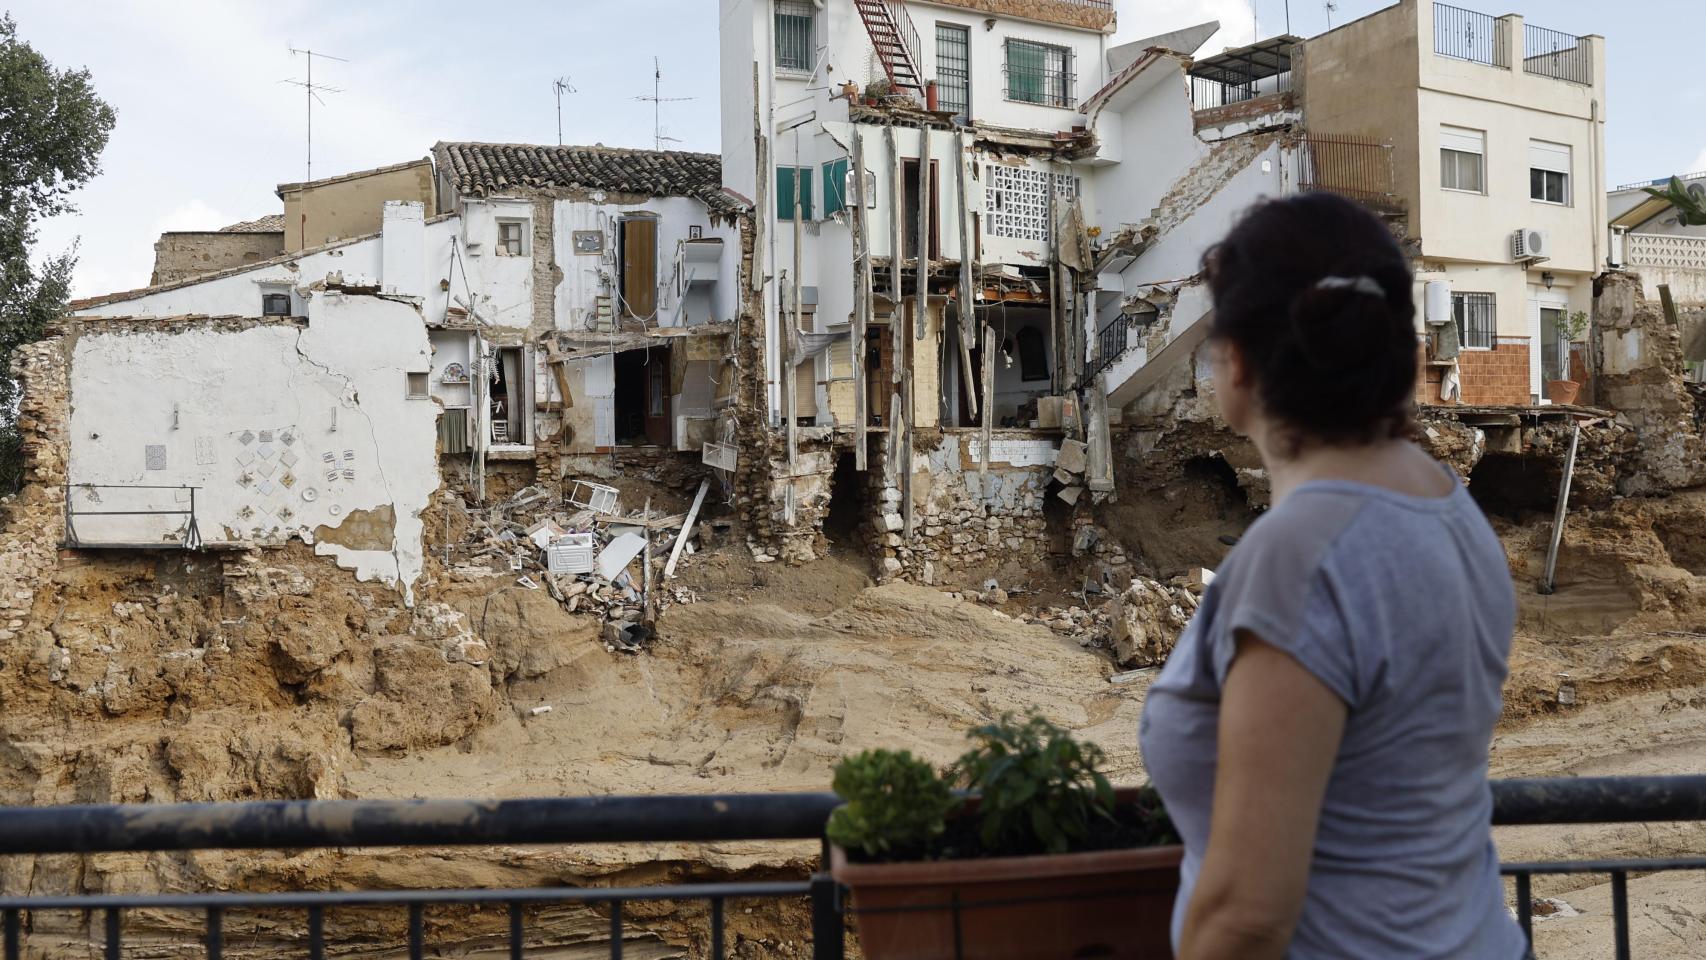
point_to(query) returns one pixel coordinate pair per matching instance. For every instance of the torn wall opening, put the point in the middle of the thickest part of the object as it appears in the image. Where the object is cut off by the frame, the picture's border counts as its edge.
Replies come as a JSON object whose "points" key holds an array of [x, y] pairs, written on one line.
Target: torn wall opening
{"points": [[642, 398]]}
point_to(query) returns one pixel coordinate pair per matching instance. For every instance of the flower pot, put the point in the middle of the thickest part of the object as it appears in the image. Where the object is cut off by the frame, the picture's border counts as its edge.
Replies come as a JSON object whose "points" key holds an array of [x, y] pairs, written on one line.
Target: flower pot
{"points": [[1563, 391], [1115, 904]]}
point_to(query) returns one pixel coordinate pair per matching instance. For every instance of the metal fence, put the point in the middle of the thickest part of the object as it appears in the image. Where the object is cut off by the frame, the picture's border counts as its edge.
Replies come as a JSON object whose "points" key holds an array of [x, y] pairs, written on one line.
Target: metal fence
{"points": [[1356, 167], [1208, 93], [184, 534], [303, 825], [1468, 35], [1561, 56], [1039, 73]]}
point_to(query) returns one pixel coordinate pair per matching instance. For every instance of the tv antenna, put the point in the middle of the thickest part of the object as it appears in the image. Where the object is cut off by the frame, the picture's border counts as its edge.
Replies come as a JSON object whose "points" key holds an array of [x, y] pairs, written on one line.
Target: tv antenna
{"points": [[313, 91], [657, 99], [560, 86], [1332, 8]]}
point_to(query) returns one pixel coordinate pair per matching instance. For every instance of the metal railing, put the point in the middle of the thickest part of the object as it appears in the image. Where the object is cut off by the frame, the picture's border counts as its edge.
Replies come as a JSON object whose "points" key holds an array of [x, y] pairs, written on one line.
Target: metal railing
{"points": [[1356, 167], [1208, 93], [1561, 56], [908, 33], [190, 538], [1038, 73], [303, 825], [1468, 35]]}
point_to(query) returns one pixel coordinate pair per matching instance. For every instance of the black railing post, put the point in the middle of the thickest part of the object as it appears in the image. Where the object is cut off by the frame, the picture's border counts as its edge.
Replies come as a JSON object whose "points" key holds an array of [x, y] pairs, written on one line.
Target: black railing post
{"points": [[1620, 912], [829, 929]]}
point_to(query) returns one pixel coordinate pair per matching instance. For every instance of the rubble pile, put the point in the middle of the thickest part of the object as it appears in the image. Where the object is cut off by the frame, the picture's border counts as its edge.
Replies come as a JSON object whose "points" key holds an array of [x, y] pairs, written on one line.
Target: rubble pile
{"points": [[1138, 626], [579, 547]]}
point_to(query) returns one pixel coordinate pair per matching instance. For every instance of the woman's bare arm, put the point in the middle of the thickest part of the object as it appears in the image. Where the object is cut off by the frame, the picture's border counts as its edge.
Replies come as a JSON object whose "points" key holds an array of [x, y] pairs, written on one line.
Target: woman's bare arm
{"points": [[1280, 729]]}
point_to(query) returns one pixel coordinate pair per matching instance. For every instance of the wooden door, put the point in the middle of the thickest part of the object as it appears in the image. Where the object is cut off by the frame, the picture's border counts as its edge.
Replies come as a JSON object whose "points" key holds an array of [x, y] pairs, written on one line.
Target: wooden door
{"points": [[640, 267], [660, 428]]}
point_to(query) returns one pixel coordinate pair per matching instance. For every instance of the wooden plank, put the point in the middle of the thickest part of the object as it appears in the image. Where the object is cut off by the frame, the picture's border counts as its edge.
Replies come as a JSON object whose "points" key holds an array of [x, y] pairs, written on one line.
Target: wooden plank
{"points": [[920, 320], [897, 237], [862, 295], [686, 529], [966, 294], [1550, 584], [988, 432]]}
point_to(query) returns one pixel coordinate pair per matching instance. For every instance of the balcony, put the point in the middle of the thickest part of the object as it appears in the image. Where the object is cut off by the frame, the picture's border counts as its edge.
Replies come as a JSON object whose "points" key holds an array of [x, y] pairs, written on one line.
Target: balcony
{"points": [[382, 922], [1354, 167], [1244, 83], [1480, 38], [1087, 14]]}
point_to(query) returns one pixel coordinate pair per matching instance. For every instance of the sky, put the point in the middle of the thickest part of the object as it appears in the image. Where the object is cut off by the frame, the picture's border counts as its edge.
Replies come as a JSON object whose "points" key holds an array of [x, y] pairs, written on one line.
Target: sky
{"points": [[207, 127]]}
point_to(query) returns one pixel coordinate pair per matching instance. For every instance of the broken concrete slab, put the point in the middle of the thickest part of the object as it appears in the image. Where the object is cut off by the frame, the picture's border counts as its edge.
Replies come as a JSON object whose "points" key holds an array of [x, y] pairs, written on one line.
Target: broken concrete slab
{"points": [[1073, 456]]}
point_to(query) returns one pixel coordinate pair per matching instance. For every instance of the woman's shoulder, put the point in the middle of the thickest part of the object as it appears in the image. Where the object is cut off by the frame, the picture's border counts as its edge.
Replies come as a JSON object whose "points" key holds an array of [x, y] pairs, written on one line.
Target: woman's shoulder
{"points": [[1298, 533]]}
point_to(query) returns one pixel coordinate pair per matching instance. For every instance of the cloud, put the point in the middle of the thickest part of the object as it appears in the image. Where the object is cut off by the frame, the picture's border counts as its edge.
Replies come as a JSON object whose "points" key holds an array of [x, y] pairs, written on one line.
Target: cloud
{"points": [[194, 215], [1146, 18]]}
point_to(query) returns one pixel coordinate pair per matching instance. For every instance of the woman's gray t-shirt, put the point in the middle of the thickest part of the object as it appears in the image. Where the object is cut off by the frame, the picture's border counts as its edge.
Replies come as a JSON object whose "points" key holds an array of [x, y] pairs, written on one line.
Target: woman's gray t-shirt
{"points": [[1403, 607]]}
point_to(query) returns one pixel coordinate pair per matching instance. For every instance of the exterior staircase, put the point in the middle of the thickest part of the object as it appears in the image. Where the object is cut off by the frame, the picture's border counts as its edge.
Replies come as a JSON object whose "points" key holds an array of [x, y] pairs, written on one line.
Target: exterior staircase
{"points": [[896, 42]]}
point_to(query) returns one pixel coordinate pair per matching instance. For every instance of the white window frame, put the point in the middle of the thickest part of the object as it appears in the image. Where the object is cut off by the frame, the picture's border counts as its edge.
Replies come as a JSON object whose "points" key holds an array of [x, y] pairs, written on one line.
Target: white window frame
{"points": [[520, 224], [1553, 158], [1462, 141], [1460, 299], [811, 12]]}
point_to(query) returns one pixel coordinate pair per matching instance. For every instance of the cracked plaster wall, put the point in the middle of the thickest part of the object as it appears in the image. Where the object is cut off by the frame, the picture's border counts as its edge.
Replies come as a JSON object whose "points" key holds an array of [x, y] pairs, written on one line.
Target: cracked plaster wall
{"points": [[334, 387]]}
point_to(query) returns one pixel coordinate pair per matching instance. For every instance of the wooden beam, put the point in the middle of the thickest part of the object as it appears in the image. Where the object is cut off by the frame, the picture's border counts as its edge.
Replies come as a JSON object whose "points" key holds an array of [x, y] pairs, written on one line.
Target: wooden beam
{"points": [[686, 529], [966, 292], [862, 294]]}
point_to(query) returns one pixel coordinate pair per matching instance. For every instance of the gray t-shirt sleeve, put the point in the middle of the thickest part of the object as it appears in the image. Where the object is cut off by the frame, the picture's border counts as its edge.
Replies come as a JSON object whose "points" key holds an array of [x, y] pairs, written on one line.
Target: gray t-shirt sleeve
{"points": [[1302, 621], [1281, 588]]}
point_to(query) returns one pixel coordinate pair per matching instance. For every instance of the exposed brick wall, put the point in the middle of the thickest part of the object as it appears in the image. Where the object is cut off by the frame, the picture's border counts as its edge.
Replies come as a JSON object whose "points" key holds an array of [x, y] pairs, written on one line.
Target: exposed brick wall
{"points": [[179, 256], [1497, 376]]}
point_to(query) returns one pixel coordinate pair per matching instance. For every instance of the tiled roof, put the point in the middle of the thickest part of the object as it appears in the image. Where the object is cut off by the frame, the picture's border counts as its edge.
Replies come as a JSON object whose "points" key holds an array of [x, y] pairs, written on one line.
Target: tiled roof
{"points": [[485, 168], [271, 223]]}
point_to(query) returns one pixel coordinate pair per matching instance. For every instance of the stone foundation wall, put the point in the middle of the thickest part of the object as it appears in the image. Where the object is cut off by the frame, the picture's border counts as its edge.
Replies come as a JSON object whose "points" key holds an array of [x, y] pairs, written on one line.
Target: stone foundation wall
{"points": [[35, 516], [1640, 376]]}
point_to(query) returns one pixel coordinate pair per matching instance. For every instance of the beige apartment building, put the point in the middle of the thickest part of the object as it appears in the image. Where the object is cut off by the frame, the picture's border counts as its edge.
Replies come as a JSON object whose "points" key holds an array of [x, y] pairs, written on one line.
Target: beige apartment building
{"points": [[1498, 135]]}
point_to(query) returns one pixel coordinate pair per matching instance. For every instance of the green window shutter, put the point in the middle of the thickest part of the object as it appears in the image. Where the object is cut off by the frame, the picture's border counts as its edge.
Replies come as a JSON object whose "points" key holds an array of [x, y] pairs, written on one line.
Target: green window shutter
{"points": [[784, 193], [786, 180], [1027, 67], [834, 187]]}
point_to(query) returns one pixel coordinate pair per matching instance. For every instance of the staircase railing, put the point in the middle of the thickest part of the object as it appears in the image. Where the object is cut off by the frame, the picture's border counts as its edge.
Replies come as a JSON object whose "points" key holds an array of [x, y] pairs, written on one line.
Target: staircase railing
{"points": [[895, 39]]}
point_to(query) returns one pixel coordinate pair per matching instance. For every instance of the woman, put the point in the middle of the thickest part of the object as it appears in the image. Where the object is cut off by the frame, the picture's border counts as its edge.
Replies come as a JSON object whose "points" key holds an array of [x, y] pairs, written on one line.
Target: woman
{"points": [[1320, 735]]}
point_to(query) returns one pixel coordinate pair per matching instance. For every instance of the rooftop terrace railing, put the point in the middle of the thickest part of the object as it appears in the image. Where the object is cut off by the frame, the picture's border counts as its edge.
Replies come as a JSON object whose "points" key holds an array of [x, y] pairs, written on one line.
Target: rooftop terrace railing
{"points": [[305, 825], [1561, 56], [1468, 35]]}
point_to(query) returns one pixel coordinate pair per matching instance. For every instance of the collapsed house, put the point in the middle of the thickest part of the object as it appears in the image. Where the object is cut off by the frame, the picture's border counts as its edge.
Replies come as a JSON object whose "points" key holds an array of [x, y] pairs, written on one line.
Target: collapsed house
{"points": [[563, 309], [932, 296]]}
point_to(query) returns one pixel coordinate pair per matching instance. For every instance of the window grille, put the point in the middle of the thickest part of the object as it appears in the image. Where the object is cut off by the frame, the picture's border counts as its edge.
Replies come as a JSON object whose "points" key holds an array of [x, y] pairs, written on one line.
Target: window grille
{"points": [[1039, 73], [953, 69], [795, 34], [1477, 322]]}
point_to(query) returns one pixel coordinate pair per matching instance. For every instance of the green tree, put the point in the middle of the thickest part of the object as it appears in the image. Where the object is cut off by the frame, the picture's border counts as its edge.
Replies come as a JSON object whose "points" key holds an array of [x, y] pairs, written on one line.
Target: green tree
{"points": [[1690, 207], [53, 128]]}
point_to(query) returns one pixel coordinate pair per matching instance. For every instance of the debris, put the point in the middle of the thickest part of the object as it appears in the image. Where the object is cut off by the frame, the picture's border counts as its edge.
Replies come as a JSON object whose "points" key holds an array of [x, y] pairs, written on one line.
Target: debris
{"points": [[527, 582], [686, 529], [1132, 676], [621, 551], [1072, 456], [570, 553], [539, 711], [544, 533], [593, 496]]}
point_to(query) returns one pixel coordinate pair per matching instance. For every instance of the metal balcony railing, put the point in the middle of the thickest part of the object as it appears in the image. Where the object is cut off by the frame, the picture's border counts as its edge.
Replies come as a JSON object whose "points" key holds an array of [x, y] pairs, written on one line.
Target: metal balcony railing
{"points": [[301, 916], [141, 501], [1561, 56], [1468, 35], [1356, 167], [1208, 93]]}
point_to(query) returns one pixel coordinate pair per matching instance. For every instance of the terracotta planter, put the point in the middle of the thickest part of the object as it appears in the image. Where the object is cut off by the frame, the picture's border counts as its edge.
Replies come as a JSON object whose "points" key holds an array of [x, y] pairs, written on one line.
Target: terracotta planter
{"points": [[1115, 904], [1563, 391]]}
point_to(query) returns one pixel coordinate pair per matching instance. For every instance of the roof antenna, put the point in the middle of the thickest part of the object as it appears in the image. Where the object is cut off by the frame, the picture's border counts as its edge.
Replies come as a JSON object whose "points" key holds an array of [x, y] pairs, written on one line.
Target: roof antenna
{"points": [[655, 100], [559, 87], [313, 91], [1332, 7]]}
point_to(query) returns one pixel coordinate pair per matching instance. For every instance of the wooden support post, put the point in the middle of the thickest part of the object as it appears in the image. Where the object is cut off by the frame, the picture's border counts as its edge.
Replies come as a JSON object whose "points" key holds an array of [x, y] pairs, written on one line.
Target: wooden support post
{"points": [[988, 432], [966, 295], [646, 565], [897, 231], [862, 295], [1057, 381], [686, 529], [1550, 583], [920, 320]]}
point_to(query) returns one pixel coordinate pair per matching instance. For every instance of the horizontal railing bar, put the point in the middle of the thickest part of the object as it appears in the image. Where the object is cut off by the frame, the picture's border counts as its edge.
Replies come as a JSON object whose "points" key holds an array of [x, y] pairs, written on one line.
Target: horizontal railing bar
{"points": [[1599, 800], [131, 513], [1663, 865], [392, 898], [291, 824], [127, 486]]}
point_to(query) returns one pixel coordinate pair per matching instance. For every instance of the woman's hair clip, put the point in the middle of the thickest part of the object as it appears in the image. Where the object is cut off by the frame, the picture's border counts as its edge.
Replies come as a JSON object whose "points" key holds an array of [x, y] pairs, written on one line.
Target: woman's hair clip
{"points": [[1363, 284]]}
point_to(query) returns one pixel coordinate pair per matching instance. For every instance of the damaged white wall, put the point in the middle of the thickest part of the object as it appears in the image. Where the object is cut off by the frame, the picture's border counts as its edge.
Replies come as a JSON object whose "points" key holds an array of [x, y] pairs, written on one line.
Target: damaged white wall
{"points": [[286, 431], [712, 266]]}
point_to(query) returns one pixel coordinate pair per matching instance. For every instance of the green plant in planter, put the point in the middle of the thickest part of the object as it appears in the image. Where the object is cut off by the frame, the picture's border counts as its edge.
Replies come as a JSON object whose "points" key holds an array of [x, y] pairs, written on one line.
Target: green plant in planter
{"points": [[894, 803], [1041, 789], [1575, 326]]}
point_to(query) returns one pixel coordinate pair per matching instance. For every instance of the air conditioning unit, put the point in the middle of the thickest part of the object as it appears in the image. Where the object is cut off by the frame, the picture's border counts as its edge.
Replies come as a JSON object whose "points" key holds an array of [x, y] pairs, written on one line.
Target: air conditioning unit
{"points": [[1528, 245]]}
